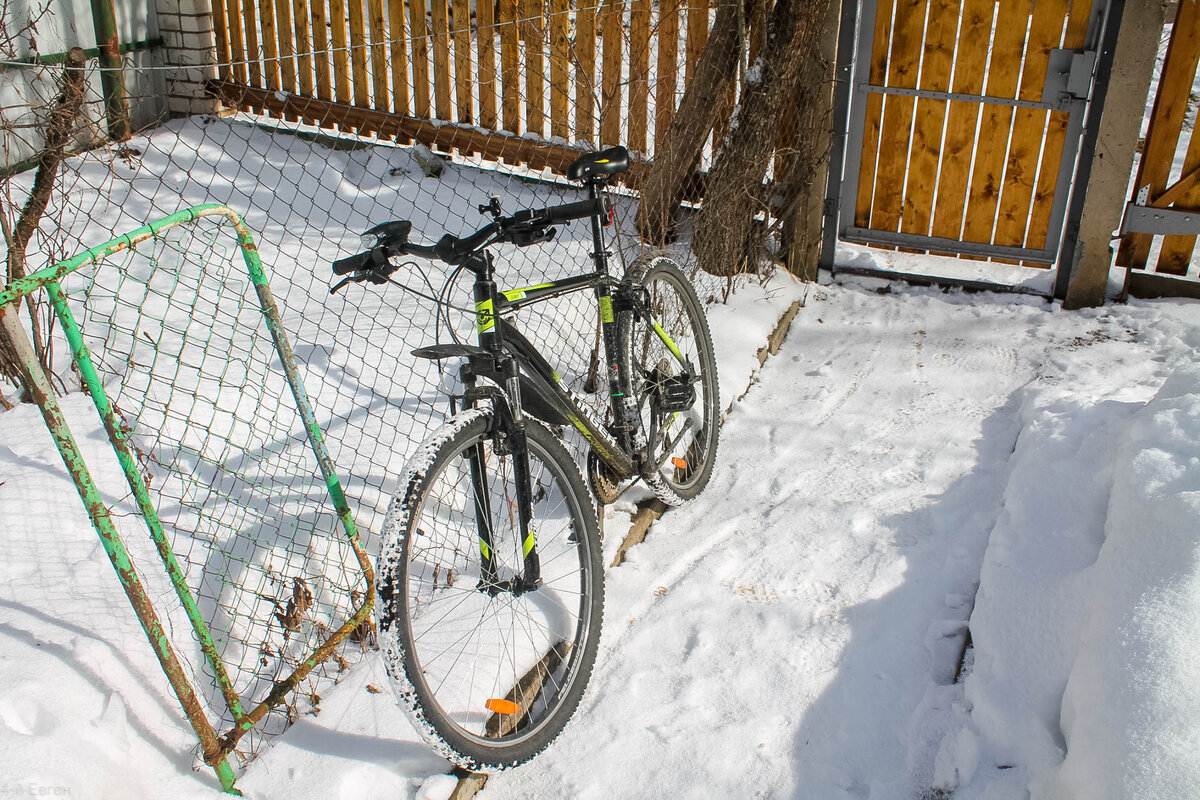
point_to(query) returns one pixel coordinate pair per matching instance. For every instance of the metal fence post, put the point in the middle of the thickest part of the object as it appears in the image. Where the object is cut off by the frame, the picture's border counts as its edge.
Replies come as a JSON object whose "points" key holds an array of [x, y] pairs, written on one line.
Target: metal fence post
{"points": [[112, 79]]}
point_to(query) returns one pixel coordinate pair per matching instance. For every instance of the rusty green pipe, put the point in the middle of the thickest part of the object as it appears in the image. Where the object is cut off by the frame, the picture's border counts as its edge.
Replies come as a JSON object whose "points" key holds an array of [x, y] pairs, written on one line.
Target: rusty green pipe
{"points": [[129, 465], [43, 395], [31, 283], [48, 278]]}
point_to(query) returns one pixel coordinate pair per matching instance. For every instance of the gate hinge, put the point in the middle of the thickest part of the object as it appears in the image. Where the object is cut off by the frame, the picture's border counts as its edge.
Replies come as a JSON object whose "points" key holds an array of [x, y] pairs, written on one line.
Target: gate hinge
{"points": [[1068, 77]]}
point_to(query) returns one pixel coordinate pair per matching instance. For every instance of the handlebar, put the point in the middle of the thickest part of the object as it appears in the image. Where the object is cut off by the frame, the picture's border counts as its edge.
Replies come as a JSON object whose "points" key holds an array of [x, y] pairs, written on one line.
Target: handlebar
{"points": [[524, 228]]}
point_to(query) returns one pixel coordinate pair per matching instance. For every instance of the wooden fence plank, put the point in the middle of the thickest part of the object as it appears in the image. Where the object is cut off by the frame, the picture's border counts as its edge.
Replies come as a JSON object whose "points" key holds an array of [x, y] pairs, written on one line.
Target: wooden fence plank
{"points": [[358, 55], [510, 66], [486, 35], [585, 69], [874, 115], [399, 45], [668, 67], [464, 84], [420, 58], [1056, 137], [286, 38], [1176, 253], [237, 44], [560, 63], [610, 98], [304, 59], [221, 33], [895, 131], [441, 59], [1029, 125], [639, 74], [970, 63], [930, 115], [320, 18], [533, 32], [697, 35], [250, 15], [287, 47], [1178, 192], [270, 44], [1004, 71], [1166, 121], [379, 54], [341, 53]]}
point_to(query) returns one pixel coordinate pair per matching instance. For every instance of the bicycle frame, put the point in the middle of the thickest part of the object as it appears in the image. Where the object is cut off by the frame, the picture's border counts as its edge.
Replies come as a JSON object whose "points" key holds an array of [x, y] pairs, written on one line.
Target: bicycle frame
{"points": [[535, 378], [525, 381]]}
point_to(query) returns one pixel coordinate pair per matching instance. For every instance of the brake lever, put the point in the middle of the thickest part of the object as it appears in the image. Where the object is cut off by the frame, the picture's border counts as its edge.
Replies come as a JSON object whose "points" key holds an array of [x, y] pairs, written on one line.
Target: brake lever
{"points": [[341, 284]]}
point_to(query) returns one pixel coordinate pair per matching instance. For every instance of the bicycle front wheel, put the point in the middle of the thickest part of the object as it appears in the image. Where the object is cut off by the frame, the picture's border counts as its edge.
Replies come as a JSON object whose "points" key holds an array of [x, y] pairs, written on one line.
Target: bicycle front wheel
{"points": [[673, 372], [489, 677]]}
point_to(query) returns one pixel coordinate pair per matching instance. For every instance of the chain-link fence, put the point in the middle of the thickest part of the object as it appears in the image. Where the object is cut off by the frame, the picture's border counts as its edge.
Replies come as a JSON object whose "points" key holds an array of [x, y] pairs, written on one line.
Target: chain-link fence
{"points": [[308, 162]]}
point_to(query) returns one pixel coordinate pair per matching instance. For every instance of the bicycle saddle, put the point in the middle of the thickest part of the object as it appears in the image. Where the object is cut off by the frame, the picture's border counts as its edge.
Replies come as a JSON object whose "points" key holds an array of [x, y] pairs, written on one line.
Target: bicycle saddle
{"points": [[599, 165]]}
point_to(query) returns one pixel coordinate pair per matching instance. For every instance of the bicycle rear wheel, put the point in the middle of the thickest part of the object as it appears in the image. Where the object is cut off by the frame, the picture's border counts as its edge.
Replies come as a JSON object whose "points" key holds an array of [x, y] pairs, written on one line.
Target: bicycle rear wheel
{"points": [[673, 372], [489, 678]]}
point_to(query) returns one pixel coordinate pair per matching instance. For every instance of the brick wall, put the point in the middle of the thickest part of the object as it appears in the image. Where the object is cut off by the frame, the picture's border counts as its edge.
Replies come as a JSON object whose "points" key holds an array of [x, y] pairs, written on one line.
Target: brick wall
{"points": [[186, 27]]}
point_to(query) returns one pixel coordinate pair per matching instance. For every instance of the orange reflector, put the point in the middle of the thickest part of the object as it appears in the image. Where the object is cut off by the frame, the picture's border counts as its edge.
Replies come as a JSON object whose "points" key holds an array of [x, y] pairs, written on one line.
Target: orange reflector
{"points": [[679, 463], [502, 706]]}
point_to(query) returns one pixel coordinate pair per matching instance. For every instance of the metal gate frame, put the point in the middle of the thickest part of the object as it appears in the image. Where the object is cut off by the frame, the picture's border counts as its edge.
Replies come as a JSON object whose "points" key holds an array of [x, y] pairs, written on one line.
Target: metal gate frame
{"points": [[1075, 83]]}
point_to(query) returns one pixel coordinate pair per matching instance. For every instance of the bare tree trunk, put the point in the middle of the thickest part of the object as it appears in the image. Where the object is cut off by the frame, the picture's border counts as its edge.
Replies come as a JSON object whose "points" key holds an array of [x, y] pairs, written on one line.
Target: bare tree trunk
{"points": [[675, 158], [733, 195], [56, 133], [803, 187]]}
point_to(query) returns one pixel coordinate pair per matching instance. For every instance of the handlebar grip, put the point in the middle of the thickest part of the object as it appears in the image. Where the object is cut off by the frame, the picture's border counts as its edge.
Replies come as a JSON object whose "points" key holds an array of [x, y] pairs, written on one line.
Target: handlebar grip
{"points": [[556, 215], [354, 263]]}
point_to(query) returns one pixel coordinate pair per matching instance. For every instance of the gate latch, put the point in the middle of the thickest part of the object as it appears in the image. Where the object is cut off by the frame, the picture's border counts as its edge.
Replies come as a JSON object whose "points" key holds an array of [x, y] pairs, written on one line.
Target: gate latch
{"points": [[1068, 77]]}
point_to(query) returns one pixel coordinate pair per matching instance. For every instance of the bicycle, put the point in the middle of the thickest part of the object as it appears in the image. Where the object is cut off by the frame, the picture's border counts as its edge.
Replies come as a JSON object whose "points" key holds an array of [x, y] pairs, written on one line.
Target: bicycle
{"points": [[490, 581]]}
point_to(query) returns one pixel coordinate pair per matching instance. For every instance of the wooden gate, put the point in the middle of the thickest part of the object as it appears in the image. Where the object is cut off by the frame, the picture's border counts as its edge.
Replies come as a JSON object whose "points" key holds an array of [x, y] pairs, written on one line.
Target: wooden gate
{"points": [[965, 124]]}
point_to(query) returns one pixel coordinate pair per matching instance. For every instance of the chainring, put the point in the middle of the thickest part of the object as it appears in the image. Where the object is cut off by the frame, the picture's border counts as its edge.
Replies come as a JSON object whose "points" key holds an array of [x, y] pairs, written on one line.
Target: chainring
{"points": [[604, 482]]}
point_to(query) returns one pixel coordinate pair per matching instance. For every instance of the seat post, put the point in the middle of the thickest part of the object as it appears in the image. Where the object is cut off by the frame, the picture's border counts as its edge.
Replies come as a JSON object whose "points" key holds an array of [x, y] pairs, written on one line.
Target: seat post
{"points": [[599, 254]]}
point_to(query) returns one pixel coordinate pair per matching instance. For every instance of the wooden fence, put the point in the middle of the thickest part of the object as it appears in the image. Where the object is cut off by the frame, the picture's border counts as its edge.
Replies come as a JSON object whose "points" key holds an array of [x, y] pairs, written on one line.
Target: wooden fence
{"points": [[1169, 173], [599, 72]]}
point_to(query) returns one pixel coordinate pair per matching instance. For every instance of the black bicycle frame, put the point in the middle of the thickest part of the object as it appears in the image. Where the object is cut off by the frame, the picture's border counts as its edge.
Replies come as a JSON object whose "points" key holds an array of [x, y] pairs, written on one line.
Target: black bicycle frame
{"points": [[529, 383], [535, 386]]}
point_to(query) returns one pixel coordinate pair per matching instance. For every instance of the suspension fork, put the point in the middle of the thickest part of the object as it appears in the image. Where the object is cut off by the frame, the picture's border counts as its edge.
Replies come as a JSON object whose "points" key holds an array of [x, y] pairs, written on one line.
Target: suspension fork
{"points": [[483, 518], [509, 438]]}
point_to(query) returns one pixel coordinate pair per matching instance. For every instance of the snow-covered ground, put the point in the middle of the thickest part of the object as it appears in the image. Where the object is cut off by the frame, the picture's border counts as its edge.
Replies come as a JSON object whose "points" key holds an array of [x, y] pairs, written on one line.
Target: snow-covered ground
{"points": [[909, 462], [912, 462]]}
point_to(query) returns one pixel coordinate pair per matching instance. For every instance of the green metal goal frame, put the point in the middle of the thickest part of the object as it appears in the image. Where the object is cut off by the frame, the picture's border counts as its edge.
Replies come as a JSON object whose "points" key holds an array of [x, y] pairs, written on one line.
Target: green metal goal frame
{"points": [[216, 746]]}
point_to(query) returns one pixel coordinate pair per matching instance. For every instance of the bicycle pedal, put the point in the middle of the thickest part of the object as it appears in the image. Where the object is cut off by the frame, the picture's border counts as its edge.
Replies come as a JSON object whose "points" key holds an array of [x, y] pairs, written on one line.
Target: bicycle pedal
{"points": [[676, 394]]}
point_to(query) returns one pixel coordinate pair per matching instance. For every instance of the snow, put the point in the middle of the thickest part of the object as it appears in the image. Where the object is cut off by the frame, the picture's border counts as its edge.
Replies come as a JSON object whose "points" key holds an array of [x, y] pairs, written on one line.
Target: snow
{"points": [[911, 463], [1137, 644]]}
